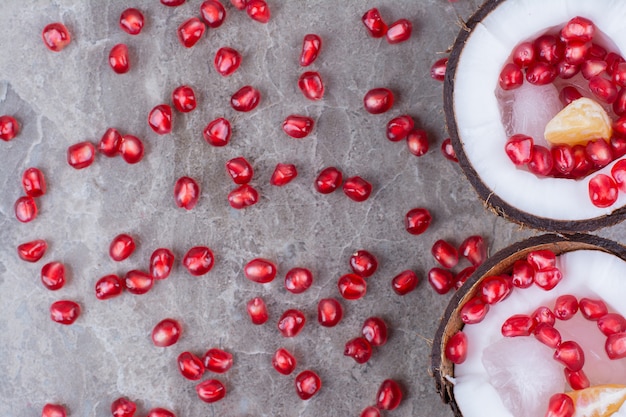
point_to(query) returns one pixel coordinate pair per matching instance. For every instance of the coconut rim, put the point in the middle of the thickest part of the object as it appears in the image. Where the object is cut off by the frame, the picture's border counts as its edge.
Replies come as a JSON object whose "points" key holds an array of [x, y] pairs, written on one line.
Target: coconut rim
{"points": [[488, 196], [502, 262]]}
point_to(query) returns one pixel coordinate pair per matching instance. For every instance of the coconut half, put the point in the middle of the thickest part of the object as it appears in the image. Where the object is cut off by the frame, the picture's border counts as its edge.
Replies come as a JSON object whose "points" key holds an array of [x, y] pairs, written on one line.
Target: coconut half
{"points": [[592, 267], [475, 122]]}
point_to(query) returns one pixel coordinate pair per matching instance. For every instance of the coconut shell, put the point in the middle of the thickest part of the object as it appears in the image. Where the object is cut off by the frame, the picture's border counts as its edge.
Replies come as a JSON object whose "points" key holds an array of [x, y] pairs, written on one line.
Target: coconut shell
{"points": [[500, 263]]}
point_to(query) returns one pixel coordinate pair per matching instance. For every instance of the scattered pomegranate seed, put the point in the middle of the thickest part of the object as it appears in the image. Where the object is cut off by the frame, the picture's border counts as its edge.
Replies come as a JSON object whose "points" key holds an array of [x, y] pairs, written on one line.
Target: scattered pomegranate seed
{"points": [[243, 196], [570, 354], [578, 29], [283, 174], [217, 132], [374, 330], [560, 405], [53, 275], [121, 247], [239, 170], [374, 23], [523, 274], [417, 141], [239, 4], [198, 260], [217, 360], [603, 89], [357, 189], [548, 279], [110, 143], [563, 158], [245, 99], [9, 128], [81, 155], [441, 280], [123, 407], [329, 312], [138, 282], [547, 335], [474, 310], [363, 263], [592, 309], [166, 332], [445, 253], [161, 263], [448, 150], [462, 276], [352, 286], [565, 307], [258, 10], [184, 98], [389, 395], [160, 412], [358, 349], [519, 149], [399, 31], [172, 3], [291, 323], [399, 127], [211, 390], [308, 383], [542, 259], [612, 323], [417, 221], [549, 49], [25, 209], [568, 94], [456, 348], [438, 69], [33, 182], [131, 149], [311, 46], [328, 180], [227, 61], [32, 251], [186, 193], [298, 280], [577, 380], [567, 71], [298, 126], [260, 270], [53, 410], [213, 13], [544, 315], [540, 73], [283, 361], [518, 325], [541, 162], [615, 346], [109, 286], [190, 366], [378, 100], [603, 190], [473, 248], [524, 54], [56, 36], [131, 21], [64, 311], [311, 85], [118, 59], [160, 119], [257, 311], [494, 289], [511, 77], [190, 32], [370, 411]]}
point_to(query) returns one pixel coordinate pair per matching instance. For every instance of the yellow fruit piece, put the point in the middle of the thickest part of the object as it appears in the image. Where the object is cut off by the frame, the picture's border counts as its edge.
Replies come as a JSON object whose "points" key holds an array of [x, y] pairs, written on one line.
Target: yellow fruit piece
{"points": [[578, 123], [598, 401]]}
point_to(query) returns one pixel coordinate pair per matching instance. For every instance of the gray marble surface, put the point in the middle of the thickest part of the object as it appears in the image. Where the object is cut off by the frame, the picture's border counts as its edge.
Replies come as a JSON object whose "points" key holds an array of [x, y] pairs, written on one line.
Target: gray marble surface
{"points": [[71, 96]]}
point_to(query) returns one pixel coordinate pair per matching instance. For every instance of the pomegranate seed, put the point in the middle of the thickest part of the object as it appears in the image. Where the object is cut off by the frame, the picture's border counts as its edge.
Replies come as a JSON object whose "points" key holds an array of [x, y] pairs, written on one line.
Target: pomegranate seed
{"points": [[375, 25], [448, 150], [569, 94], [445, 254], [511, 77], [131, 21], [548, 49], [370, 411], [291, 323], [121, 247], [518, 325], [227, 61], [438, 69], [283, 174], [399, 31], [213, 13], [576, 51], [186, 193], [9, 128], [257, 311], [53, 275], [474, 310], [81, 155], [619, 74], [494, 289], [242, 197], [211, 390], [328, 180], [298, 280], [612, 323], [217, 360], [417, 221], [239, 4], [184, 99], [592, 67], [596, 52], [56, 36], [258, 10], [603, 89], [399, 127], [615, 345], [592, 309], [519, 149], [566, 70], [577, 380], [53, 410], [131, 149], [524, 55], [109, 286], [198, 260], [166, 333], [582, 165], [523, 274], [541, 162], [352, 286], [456, 348], [374, 330], [118, 59], [441, 280], [603, 191], [33, 182], [246, 99], [283, 361], [110, 142], [618, 148], [217, 132], [358, 349], [541, 73], [190, 366], [161, 263], [544, 315], [190, 32], [417, 141], [357, 189], [160, 412], [297, 126], [311, 46], [462, 276], [239, 170], [260, 270], [547, 335], [172, 3], [311, 85], [565, 307], [473, 248], [619, 127], [578, 29], [25, 209], [570, 354], [123, 407], [138, 282], [329, 312], [404, 282], [389, 395], [542, 259], [363, 263], [308, 383], [64, 311], [378, 100], [563, 159], [548, 279], [160, 119], [560, 405], [619, 105], [32, 251]]}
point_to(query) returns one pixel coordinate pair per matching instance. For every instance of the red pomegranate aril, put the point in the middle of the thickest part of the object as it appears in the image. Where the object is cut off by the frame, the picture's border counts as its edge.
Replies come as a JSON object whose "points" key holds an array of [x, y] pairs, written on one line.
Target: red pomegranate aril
{"points": [[518, 325], [190, 366], [612, 323], [548, 49], [260, 270], [619, 105], [190, 32], [599, 152], [438, 69], [358, 349], [560, 405], [109, 286], [618, 147], [161, 263], [308, 383], [448, 150], [494, 289], [565, 307], [570, 354], [131, 149], [404, 282], [53, 275], [9, 128], [298, 280], [578, 29], [81, 155], [378, 100], [544, 315], [283, 174], [566, 71], [417, 141], [474, 310], [298, 126], [131, 21], [523, 274], [582, 165], [352, 286], [363, 263], [389, 395], [186, 193], [198, 260], [329, 312], [166, 332], [542, 259], [211, 390], [612, 61], [541, 73], [25, 209], [374, 330], [245, 99], [473, 249], [160, 412], [399, 127], [217, 132], [110, 143], [243, 196], [53, 410], [441, 280], [283, 361], [172, 3], [291, 323], [456, 348], [64, 311], [619, 75], [462, 276], [357, 189], [603, 89], [257, 311], [603, 191], [56, 36], [592, 67], [123, 407], [618, 172], [592, 309], [33, 182], [511, 77], [184, 99], [577, 380], [160, 119], [563, 159], [417, 220], [519, 149], [399, 31], [370, 411], [311, 46], [239, 4], [258, 10], [213, 13], [569, 94], [576, 51], [239, 170], [596, 52], [118, 59], [328, 180], [615, 346], [444, 253], [548, 335], [32, 251], [541, 162], [121, 247], [227, 61], [547, 279], [524, 55], [619, 127], [138, 282], [374, 23], [311, 85], [217, 360]]}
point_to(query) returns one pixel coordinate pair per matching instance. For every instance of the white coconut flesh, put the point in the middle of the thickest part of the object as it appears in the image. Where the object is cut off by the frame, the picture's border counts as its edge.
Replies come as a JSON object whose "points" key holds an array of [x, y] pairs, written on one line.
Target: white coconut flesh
{"points": [[515, 376], [479, 123]]}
